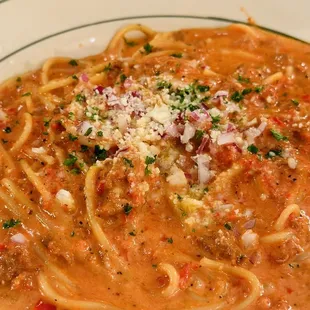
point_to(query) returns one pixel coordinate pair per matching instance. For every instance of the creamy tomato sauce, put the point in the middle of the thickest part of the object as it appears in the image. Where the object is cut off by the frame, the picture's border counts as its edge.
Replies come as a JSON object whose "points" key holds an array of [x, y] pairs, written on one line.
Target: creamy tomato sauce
{"points": [[169, 172]]}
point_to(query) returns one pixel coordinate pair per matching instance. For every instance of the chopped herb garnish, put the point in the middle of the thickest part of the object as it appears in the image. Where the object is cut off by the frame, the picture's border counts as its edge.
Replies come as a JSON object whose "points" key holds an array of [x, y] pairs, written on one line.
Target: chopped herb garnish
{"points": [[130, 43], [154, 266], [127, 208], [132, 233], [26, 94], [163, 84], [72, 137], [179, 197], [72, 234], [88, 131], [278, 136], [258, 89], [71, 115], [10, 223], [227, 226], [206, 189], [199, 134], [236, 96], [128, 162], [80, 98], [45, 133], [203, 88], [148, 48], [252, 149], [19, 79], [192, 107], [100, 153], [84, 148], [170, 240], [107, 68], [148, 161], [243, 79], [295, 102], [46, 122], [75, 77], [273, 153], [246, 91], [123, 77], [7, 130], [75, 171], [216, 119], [70, 161], [73, 63], [99, 133], [177, 55]]}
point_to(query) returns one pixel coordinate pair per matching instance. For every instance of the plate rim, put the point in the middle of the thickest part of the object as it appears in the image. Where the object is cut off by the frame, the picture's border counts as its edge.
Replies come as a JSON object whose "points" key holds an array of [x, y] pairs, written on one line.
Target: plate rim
{"points": [[105, 21]]}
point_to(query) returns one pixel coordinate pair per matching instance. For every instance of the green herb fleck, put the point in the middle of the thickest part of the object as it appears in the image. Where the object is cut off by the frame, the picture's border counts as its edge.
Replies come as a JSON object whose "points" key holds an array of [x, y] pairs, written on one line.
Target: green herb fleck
{"points": [[7, 130], [252, 149], [163, 84], [130, 43], [148, 48], [80, 98], [72, 234], [278, 136], [100, 153], [88, 131], [128, 162], [273, 153], [123, 77], [70, 161], [75, 77], [99, 133], [10, 223], [46, 122], [206, 189], [177, 55], [199, 134], [295, 102], [154, 266], [107, 68], [45, 133], [75, 171], [203, 88], [227, 226], [84, 148], [72, 137], [150, 160], [246, 91], [19, 79], [71, 115], [132, 233], [243, 79], [236, 96], [179, 197], [26, 94], [127, 208], [170, 240], [258, 89], [73, 63]]}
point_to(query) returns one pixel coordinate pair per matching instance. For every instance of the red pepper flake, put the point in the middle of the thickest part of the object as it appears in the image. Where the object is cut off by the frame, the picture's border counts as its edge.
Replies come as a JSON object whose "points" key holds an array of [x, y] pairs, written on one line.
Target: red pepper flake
{"points": [[100, 188], [277, 121], [289, 290], [41, 305]]}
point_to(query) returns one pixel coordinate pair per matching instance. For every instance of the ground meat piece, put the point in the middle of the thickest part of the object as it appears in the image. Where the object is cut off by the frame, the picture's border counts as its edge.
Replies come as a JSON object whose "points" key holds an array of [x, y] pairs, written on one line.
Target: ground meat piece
{"points": [[17, 262], [221, 244]]}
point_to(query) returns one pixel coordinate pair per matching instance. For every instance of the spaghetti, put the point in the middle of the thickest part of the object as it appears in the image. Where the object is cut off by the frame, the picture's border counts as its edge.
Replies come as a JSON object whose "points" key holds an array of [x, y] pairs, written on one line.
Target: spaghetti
{"points": [[159, 175]]}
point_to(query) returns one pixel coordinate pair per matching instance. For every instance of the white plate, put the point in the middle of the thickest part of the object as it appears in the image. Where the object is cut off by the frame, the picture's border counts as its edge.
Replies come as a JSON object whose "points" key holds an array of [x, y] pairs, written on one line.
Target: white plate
{"points": [[34, 30]]}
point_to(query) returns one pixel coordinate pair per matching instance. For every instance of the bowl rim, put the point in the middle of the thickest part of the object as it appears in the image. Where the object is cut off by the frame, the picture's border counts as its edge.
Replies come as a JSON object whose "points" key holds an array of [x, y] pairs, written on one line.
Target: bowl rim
{"points": [[126, 18]]}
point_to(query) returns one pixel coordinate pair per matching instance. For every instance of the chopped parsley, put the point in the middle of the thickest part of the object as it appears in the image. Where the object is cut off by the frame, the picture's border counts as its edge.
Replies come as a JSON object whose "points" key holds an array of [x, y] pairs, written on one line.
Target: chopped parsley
{"points": [[243, 79], [75, 77], [46, 122], [10, 223], [246, 91], [71, 115], [278, 136], [170, 240], [100, 153], [199, 134], [72, 137], [203, 88], [130, 43], [99, 133], [84, 148], [73, 63], [19, 79], [123, 77], [179, 197], [252, 149], [273, 153], [148, 48], [177, 55], [227, 226], [163, 84], [148, 161], [72, 234], [75, 171], [107, 68], [88, 131], [132, 233], [45, 133], [7, 130], [258, 89], [26, 94], [295, 102], [70, 161], [80, 98], [154, 266], [206, 189], [127, 208], [216, 119], [128, 162], [236, 96]]}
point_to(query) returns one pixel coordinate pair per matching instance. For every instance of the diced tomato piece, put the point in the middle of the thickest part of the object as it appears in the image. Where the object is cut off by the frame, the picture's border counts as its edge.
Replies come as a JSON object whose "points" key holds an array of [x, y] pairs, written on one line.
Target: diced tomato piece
{"points": [[41, 305], [100, 188], [57, 126], [2, 246], [185, 274]]}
